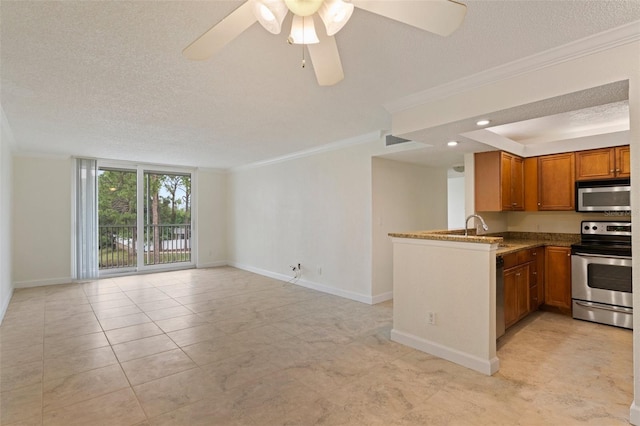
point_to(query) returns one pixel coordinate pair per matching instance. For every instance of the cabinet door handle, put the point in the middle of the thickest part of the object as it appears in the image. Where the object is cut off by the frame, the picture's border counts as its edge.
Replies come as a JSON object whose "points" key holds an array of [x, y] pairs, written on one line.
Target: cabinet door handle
{"points": [[538, 203], [535, 273], [611, 171]]}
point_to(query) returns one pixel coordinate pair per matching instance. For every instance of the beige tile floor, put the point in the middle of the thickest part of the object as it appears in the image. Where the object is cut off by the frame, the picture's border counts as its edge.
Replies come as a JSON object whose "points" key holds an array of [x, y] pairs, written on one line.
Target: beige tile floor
{"points": [[226, 347]]}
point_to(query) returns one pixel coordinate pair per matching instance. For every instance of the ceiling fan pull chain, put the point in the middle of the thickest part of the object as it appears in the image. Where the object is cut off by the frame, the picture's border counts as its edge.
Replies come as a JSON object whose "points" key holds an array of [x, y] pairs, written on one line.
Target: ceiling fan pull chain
{"points": [[302, 45], [303, 61]]}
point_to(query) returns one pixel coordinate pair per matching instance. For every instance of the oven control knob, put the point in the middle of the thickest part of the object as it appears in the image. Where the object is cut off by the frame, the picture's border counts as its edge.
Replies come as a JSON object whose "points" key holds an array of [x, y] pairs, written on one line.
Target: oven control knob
{"points": [[586, 227], [595, 228]]}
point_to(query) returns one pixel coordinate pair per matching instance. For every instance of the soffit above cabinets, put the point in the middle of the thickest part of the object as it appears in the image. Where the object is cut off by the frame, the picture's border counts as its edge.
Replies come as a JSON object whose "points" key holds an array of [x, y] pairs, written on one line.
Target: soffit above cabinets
{"points": [[586, 119]]}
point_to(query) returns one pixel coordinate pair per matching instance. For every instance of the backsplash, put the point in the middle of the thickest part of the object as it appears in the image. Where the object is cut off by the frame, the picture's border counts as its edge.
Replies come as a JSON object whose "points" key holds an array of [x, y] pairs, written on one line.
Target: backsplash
{"points": [[539, 236], [549, 222]]}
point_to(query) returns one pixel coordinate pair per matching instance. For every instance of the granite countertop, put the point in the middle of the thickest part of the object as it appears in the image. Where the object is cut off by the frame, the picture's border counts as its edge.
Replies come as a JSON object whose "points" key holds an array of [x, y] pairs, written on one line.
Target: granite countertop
{"points": [[513, 245], [508, 242], [449, 235]]}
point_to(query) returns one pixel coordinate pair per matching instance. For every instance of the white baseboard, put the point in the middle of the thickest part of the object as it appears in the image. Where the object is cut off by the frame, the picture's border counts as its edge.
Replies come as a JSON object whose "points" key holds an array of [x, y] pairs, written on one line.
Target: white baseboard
{"points": [[634, 414], [488, 366], [216, 264], [383, 297], [38, 283], [5, 305], [308, 284]]}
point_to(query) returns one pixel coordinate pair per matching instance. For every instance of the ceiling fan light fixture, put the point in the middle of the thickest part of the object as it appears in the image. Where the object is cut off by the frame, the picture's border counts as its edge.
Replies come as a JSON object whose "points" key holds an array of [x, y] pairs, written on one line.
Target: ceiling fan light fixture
{"points": [[335, 14], [303, 31], [270, 14], [303, 7]]}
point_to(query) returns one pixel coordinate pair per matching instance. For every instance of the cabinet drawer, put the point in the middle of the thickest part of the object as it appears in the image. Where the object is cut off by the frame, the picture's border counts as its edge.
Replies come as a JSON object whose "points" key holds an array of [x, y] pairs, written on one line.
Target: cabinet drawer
{"points": [[533, 298], [525, 256], [510, 260], [518, 258]]}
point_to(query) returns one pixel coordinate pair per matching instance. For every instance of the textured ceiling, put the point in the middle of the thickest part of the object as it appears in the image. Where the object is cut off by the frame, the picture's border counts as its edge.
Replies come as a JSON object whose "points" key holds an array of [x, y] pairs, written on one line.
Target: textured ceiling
{"points": [[596, 120], [107, 79]]}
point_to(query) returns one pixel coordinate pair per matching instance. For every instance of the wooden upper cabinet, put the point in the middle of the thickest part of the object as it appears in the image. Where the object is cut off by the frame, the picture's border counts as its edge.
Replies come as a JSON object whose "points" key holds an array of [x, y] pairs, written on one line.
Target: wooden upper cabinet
{"points": [[499, 181], [604, 163], [623, 161], [556, 182], [531, 184], [517, 183]]}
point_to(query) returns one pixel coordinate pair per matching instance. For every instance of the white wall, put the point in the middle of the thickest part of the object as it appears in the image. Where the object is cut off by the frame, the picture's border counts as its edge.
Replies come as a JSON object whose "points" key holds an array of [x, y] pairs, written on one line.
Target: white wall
{"points": [[455, 202], [6, 280], [211, 227], [634, 114], [41, 221], [406, 197], [314, 210]]}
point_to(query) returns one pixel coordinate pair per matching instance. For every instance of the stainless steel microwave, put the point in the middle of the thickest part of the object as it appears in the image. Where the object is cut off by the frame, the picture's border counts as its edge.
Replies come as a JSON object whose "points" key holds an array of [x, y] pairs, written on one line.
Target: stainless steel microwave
{"points": [[603, 196]]}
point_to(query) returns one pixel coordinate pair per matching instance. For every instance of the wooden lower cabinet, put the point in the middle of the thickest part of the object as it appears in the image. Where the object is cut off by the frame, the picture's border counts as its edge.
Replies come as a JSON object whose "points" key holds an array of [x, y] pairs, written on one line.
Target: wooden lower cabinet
{"points": [[516, 293], [558, 278], [536, 277], [536, 282]]}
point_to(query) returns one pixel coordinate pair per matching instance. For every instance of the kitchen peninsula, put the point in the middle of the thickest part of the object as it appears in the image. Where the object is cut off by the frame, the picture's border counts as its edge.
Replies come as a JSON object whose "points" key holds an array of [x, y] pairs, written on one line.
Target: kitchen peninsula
{"points": [[444, 291]]}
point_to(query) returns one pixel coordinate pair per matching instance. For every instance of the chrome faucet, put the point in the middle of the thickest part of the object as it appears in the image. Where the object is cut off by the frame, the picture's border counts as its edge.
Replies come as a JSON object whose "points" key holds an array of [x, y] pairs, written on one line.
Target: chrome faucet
{"points": [[466, 223]]}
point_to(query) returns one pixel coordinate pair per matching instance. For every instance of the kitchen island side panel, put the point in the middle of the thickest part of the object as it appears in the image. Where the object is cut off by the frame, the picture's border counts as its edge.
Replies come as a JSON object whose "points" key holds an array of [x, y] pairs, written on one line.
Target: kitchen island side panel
{"points": [[456, 282]]}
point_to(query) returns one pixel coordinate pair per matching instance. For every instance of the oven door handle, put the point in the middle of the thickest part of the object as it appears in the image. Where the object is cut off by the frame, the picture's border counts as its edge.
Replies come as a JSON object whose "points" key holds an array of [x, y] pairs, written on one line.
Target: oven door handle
{"points": [[607, 256], [620, 309]]}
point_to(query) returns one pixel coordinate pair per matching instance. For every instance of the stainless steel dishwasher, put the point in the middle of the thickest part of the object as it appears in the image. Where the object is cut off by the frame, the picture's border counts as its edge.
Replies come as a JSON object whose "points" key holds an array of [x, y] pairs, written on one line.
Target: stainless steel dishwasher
{"points": [[499, 296]]}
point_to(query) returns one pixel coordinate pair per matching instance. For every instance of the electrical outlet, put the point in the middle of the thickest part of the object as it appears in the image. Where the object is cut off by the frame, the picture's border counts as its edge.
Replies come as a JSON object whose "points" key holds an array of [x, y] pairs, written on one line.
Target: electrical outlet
{"points": [[431, 318]]}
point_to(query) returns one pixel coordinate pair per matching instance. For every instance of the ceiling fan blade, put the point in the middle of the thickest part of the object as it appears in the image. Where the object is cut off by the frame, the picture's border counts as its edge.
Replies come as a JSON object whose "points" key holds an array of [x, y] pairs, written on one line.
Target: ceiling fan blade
{"points": [[326, 60], [441, 17], [222, 33]]}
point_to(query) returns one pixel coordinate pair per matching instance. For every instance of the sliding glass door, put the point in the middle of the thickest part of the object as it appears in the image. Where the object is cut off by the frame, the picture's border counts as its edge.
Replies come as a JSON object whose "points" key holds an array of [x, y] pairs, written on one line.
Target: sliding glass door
{"points": [[117, 219], [167, 218], [144, 219]]}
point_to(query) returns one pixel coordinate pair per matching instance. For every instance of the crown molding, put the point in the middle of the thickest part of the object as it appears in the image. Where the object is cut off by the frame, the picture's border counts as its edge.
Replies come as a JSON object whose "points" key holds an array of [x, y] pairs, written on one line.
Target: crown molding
{"points": [[596, 43], [43, 155], [344, 143], [213, 170]]}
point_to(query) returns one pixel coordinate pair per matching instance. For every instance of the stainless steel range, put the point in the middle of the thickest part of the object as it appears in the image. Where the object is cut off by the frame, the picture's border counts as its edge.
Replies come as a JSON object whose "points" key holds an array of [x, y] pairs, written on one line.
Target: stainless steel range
{"points": [[601, 284]]}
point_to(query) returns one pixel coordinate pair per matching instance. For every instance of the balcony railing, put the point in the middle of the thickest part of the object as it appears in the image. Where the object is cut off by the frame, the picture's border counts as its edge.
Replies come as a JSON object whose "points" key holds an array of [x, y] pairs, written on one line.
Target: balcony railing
{"points": [[118, 245]]}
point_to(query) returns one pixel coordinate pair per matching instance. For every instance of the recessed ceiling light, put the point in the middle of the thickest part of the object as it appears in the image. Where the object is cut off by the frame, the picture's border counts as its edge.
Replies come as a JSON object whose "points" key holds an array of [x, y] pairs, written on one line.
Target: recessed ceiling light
{"points": [[452, 143], [483, 122]]}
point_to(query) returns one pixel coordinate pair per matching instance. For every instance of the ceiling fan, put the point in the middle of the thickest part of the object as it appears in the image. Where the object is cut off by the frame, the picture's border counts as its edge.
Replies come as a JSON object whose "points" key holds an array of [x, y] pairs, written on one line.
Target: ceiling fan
{"points": [[441, 17]]}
